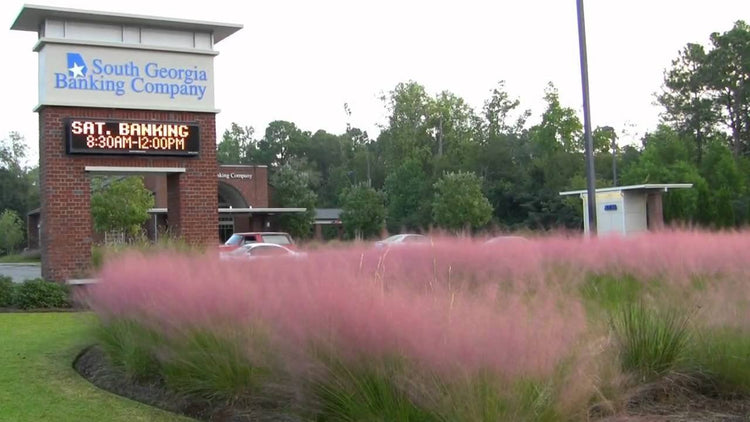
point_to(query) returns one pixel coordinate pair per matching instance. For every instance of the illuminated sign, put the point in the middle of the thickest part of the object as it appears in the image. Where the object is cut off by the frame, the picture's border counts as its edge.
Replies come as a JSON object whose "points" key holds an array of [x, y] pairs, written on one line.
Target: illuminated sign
{"points": [[89, 136]]}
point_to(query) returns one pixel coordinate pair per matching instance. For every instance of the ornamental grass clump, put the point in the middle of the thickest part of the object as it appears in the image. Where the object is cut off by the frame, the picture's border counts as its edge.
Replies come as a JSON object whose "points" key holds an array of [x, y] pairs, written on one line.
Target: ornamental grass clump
{"points": [[652, 342]]}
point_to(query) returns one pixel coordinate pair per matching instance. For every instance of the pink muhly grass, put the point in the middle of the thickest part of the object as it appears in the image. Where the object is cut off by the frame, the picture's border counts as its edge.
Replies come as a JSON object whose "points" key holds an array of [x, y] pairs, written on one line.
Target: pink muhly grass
{"points": [[673, 256], [360, 302], [453, 305]]}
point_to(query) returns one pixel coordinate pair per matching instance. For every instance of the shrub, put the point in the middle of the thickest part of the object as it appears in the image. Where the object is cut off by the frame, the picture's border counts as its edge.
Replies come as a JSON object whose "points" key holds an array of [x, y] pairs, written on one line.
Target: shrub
{"points": [[38, 293], [651, 342], [6, 291]]}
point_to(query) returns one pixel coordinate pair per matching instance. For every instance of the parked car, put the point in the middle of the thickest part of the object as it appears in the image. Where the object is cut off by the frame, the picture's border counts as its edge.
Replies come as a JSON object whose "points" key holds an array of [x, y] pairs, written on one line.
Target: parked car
{"points": [[239, 239], [257, 250], [401, 239], [505, 239]]}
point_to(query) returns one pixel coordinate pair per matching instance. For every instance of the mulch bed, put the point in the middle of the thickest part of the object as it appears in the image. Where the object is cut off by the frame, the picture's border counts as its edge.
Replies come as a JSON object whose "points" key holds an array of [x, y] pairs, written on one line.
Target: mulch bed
{"points": [[677, 399], [94, 366], [680, 398]]}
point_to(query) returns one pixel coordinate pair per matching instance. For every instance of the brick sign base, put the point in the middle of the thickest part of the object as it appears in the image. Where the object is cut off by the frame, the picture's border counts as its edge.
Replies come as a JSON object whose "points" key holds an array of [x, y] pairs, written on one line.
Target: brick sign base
{"points": [[66, 223]]}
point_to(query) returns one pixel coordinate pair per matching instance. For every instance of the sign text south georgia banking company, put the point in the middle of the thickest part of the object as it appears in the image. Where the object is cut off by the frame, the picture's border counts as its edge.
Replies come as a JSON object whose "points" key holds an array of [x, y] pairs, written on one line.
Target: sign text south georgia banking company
{"points": [[152, 78]]}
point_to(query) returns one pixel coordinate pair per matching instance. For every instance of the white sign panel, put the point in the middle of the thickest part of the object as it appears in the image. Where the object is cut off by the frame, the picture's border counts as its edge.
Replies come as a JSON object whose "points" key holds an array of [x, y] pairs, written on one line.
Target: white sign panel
{"points": [[76, 75]]}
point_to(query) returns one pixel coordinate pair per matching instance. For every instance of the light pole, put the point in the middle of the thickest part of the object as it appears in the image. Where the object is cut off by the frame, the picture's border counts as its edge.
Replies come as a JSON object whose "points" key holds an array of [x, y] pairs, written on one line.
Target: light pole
{"points": [[589, 145]]}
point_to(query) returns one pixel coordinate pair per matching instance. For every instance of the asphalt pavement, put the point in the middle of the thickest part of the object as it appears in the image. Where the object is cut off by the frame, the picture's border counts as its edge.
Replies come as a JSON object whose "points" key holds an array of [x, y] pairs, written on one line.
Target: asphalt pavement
{"points": [[21, 272]]}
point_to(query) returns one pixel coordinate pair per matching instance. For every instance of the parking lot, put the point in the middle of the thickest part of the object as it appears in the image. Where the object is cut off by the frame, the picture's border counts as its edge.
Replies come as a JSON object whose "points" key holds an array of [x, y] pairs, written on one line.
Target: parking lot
{"points": [[21, 272]]}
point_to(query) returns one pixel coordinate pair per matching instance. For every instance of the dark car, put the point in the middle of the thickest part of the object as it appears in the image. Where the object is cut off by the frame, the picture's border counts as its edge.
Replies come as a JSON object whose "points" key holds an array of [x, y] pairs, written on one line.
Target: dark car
{"points": [[239, 239]]}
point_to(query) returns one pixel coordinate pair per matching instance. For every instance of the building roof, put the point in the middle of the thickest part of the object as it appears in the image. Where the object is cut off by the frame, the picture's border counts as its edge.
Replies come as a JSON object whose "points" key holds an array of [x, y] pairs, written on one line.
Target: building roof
{"points": [[327, 213], [32, 16], [651, 186]]}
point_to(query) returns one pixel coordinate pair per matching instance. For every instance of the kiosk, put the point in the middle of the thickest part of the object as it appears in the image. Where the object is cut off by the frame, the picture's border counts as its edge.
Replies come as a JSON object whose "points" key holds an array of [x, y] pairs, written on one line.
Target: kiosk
{"points": [[627, 209]]}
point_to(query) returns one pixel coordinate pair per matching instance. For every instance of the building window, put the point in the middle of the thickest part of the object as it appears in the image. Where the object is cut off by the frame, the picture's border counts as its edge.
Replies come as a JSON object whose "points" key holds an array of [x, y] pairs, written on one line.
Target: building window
{"points": [[226, 228]]}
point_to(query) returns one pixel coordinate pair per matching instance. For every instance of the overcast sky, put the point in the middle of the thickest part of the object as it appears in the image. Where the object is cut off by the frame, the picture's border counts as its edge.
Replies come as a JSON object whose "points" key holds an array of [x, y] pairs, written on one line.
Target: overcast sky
{"points": [[301, 60]]}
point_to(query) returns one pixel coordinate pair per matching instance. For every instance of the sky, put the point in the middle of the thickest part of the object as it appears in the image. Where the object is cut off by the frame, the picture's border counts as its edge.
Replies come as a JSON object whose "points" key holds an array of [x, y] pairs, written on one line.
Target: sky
{"points": [[302, 60]]}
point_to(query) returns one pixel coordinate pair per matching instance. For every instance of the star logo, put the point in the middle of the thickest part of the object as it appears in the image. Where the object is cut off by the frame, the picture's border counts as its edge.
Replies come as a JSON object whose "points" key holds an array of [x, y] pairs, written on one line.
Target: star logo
{"points": [[77, 70], [76, 66]]}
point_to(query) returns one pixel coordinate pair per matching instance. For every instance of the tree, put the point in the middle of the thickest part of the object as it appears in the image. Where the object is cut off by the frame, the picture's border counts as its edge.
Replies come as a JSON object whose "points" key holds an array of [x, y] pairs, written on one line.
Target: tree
{"points": [[236, 145], [11, 231], [291, 188], [410, 130], [409, 194], [362, 211], [281, 142], [688, 105], [728, 67], [705, 88], [459, 202], [666, 159], [19, 186], [120, 204], [726, 184], [560, 128]]}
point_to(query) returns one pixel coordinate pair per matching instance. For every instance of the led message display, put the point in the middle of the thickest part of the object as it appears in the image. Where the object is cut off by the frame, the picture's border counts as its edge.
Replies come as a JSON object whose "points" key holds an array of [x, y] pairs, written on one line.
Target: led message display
{"points": [[123, 137]]}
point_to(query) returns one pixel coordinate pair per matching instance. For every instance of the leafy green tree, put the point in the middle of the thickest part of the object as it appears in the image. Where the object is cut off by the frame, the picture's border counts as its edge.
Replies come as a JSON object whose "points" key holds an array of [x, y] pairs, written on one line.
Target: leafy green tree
{"points": [[11, 231], [409, 197], [498, 112], [292, 189], [410, 125], [281, 142], [556, 164], [456, 131], [726, 184], [120, 204], [502, 158], [236, 146], [362, 211], [560, 128], [19, 185], [328, 154], [459, 202], [666, 159]]}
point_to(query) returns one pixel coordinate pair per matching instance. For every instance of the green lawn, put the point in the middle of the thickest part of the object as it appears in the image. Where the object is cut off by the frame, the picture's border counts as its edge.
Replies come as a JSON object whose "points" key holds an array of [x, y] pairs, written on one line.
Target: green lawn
{"points": [[38, 382], [18, 259]]}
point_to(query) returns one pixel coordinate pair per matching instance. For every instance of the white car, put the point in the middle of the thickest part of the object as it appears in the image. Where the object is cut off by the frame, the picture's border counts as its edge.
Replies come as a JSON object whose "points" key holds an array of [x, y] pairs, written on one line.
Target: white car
{"points": [[505, 239], [400, 239], [259, 250]]}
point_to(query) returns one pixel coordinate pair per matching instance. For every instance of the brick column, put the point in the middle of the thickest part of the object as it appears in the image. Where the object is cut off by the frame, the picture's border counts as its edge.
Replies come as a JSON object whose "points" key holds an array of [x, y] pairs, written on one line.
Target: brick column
{"points": [[655, 211], [66, 204]]}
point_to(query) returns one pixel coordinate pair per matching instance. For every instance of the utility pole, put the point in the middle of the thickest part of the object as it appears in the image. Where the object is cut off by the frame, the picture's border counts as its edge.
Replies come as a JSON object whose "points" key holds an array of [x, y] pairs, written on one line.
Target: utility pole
{"points": [[440, 136], [590, 175], [614, 158]]}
